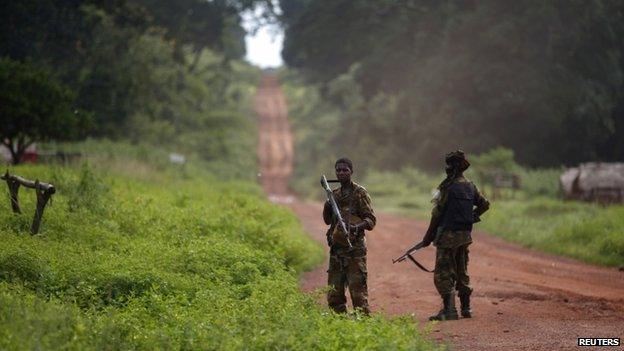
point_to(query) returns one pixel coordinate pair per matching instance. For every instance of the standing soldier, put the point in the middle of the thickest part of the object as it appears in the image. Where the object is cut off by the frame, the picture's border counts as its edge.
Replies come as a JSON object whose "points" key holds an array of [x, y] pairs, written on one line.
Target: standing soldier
{"points": [[458, 204], [347, 267]]}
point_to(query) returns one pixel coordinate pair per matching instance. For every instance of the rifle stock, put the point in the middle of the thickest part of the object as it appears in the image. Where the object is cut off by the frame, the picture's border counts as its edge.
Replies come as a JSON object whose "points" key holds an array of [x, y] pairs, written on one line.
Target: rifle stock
{"points": [[408, 255]]}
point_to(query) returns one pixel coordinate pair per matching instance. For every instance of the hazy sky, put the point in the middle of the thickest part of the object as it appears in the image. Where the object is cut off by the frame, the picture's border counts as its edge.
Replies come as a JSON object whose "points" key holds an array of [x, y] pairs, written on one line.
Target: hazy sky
{"points": [[264, 48]]}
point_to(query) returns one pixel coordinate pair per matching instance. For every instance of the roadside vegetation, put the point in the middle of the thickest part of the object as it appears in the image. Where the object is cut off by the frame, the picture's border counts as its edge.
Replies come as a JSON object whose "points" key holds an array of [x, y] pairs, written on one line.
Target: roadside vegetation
{"points": [[137, 253], [157, 73]]}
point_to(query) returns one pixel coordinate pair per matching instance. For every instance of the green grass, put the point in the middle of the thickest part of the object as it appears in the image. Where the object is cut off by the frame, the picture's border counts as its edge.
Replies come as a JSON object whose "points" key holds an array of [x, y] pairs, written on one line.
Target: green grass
{"points": [[407, 192], [138, 255], [587, 232]]}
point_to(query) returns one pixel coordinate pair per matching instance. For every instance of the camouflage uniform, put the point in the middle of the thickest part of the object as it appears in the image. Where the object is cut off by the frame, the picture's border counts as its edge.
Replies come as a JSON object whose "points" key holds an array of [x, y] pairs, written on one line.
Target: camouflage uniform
{"points": [[348, 267], [452, 239]]}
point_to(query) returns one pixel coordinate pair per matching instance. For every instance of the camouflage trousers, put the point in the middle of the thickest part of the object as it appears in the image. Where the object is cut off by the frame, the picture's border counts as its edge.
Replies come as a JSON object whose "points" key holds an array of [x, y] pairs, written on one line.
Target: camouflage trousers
{"points": [[347, 271], [451, 270]]}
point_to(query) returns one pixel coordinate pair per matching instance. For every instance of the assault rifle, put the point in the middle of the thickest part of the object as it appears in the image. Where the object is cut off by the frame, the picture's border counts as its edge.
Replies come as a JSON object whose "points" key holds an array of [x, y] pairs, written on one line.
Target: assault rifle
{"points": [[335, 209], [408, 254]]}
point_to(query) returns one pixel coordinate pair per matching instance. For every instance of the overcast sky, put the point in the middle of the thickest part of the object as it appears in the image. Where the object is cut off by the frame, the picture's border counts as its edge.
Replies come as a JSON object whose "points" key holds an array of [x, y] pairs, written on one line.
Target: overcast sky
{"points": [[264, 48]]}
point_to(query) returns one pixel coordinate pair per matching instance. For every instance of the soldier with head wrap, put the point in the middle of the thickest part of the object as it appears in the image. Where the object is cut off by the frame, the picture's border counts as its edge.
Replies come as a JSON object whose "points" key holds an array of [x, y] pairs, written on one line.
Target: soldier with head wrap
{"points": [[347, 266], [458, 204]]}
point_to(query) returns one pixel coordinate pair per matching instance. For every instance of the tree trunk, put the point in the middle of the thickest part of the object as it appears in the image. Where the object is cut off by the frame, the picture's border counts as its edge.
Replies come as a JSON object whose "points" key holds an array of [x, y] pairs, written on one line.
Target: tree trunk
{"points": [[17, 150], [16, 156], [196, 58]]}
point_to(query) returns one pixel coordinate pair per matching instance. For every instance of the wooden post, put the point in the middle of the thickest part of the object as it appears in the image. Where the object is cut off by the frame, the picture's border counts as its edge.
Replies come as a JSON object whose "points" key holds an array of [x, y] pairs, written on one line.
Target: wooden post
{"points": [[43, 196], [44, 192], [13, 191]]}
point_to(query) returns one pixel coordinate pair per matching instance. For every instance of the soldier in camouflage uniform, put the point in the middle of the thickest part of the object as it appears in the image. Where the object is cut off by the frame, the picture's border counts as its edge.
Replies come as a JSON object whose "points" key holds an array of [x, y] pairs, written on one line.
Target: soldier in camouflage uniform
{"points": [[347, 267], [458, 204]]}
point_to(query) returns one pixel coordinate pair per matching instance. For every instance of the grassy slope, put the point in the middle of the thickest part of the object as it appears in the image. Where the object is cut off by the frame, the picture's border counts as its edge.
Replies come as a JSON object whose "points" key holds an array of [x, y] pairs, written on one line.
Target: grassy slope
{"points": [[141, 256]]}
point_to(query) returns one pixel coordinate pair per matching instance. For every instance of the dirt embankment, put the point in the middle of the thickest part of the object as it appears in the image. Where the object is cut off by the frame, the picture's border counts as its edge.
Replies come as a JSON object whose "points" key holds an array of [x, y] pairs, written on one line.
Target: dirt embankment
{"points": [[523, 300]]}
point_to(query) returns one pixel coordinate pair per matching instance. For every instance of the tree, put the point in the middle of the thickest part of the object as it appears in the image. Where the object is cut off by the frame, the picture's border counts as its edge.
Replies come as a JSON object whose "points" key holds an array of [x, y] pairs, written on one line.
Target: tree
{"points": [[35, 107], [543, 78]]}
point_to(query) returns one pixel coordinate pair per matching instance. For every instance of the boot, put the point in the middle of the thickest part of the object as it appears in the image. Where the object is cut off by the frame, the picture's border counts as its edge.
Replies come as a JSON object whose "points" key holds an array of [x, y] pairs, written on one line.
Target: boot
{"points": [[448, 312], [466, 312]]}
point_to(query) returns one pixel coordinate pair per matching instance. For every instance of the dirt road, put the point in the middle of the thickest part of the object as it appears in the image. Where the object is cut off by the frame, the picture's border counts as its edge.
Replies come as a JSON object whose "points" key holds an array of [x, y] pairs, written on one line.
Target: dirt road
{"points": [[523, 300]]}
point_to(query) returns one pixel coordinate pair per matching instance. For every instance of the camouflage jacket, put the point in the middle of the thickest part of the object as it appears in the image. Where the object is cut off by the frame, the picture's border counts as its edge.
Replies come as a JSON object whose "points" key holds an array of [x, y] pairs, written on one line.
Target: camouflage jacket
{"points": [[355, 207]]}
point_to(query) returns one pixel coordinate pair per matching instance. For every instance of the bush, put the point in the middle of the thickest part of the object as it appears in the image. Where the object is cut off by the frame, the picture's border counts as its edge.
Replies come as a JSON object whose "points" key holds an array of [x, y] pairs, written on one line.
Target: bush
{"points": [[541, 182], [22, 266]]}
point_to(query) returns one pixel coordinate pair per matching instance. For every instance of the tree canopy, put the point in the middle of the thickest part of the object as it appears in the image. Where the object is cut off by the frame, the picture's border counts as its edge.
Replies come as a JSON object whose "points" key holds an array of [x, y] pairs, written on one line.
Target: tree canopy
{"points": [[147, 70], [34, 107], [543, 78]]}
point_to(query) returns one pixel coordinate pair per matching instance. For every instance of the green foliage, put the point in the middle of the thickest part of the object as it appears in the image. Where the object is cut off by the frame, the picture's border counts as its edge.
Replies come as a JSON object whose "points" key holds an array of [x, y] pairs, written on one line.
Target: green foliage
{"points": [[470, 75], [582, 231], [533, 182], [167, 262], [157, 72], [495, 159], [19, 265], [541, 182], [407, 192], [86, 192], [35, 107], [215, 25]]}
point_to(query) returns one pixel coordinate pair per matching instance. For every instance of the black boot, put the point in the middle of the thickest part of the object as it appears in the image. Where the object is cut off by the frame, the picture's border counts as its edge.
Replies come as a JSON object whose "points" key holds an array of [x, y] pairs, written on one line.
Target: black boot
{"points": [[448, 312], [466, 312]]}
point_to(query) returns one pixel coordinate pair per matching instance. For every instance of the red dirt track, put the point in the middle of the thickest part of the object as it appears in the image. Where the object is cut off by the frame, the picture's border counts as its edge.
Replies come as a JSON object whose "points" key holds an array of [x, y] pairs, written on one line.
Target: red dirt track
{"points": [[522, 300]]}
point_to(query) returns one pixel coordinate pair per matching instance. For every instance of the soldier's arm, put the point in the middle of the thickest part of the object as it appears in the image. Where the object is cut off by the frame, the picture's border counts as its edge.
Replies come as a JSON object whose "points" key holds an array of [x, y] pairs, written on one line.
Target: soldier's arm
{"points": [[366, 210], [481, 205], [436, 217], [327, 213]]}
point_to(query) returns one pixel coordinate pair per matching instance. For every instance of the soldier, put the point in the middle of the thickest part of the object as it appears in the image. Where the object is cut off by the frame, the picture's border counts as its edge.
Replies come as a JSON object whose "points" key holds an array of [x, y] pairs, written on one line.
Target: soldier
{"points": [[347, 267], [458, 204]]}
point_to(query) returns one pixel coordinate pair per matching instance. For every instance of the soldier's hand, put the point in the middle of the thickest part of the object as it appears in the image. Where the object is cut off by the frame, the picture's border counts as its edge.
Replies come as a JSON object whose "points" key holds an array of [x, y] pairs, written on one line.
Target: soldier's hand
{"points": [[357, 229], [327, 206]]}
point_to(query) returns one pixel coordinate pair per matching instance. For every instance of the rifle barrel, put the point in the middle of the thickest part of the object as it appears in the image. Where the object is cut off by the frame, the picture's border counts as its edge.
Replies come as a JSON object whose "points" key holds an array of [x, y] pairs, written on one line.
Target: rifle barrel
{"points": [[335, 209]]}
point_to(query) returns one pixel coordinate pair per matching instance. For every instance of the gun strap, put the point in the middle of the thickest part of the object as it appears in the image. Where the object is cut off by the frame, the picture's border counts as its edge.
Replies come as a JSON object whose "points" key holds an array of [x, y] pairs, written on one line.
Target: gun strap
{"points": [[418, 264]]}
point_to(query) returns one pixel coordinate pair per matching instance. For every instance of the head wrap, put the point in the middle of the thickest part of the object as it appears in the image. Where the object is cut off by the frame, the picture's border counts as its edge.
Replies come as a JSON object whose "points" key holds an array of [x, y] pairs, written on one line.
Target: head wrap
{"points": [[456, 164], [457, 160]]}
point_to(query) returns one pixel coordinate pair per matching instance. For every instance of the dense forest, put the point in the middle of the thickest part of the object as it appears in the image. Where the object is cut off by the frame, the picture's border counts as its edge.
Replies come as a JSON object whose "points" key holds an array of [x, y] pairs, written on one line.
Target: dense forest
{"points": [[161, 72], [420, 77]]}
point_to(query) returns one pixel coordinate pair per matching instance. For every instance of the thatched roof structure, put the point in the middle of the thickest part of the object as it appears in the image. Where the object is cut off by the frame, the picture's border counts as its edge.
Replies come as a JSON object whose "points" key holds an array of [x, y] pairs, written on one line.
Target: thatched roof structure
{"points": [[594, 181]]}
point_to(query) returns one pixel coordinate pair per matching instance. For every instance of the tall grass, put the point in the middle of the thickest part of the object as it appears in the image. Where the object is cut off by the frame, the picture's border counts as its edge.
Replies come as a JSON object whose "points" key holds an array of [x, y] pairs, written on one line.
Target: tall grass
{"points": [[588, 232]]}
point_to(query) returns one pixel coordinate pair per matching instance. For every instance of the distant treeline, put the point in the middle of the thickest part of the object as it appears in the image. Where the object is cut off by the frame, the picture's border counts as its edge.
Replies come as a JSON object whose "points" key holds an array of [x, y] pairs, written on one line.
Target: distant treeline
{"points": [[416, 78], [159, 71]]}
